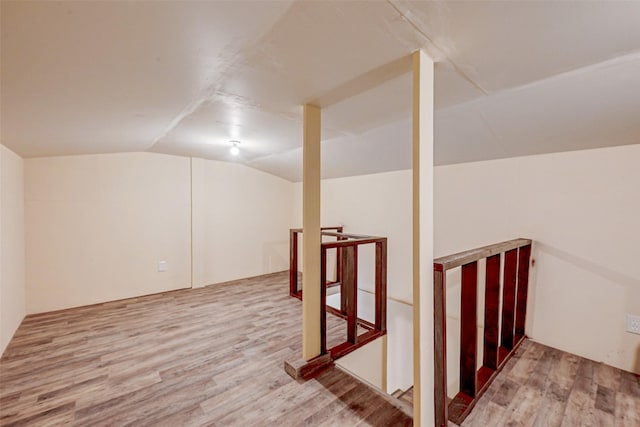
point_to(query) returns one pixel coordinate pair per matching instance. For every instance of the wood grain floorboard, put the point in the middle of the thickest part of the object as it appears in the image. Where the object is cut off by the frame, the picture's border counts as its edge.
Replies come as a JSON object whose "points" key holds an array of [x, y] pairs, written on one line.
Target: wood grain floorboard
{"points": [[197, 357], [542, 386]]}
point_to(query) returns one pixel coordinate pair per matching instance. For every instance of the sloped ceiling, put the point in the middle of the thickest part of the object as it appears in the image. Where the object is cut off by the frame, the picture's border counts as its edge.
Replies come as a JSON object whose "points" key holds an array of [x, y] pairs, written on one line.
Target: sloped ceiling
{"points": [[185, 78]]}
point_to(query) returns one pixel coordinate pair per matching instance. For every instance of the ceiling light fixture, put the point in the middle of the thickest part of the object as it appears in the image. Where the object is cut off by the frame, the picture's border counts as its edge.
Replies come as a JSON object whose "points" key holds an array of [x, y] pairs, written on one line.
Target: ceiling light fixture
{"points": [[234, 150]]}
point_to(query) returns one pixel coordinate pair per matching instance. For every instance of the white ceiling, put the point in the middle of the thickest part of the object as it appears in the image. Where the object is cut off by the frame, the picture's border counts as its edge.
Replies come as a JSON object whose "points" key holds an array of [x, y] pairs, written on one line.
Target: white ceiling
{"points": [[512, 78]]}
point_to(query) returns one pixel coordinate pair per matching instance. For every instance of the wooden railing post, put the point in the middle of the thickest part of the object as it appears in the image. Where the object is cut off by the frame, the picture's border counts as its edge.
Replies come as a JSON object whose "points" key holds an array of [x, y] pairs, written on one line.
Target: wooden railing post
{"points": [[381, 286], [524, 255], [339, 258], [440, 345], [491, 312], [323, 301], [508, 298], [350, 288], [293, 262], [469, 329], [344, 279]]}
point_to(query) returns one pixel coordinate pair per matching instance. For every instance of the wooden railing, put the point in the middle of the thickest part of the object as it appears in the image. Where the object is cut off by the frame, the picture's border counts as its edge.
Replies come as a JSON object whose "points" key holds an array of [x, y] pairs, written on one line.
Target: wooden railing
{"points": [[346, 246], [503, 332], [294, 288]]}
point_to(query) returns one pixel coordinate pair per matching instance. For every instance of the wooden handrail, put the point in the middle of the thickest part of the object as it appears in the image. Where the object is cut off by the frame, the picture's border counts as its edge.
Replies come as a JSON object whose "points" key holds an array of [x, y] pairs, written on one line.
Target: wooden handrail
{"points": [[293, 258], [354, 242], [347, 277], [349, 236], [456, 260], [338, 228], [510, 323]]}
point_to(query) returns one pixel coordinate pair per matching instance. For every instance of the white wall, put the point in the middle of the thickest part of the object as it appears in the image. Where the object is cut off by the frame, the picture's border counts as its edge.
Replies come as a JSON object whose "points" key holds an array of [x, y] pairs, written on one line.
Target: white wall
{"points": [[241, 221], [582, 209], [366, 363], [379, 205], [589, 274], [97, 226], [12, 285]]}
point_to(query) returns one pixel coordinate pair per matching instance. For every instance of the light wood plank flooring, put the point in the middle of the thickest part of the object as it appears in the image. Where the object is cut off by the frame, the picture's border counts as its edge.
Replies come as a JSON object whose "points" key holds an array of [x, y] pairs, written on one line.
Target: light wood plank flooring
{"points": [[211, 356], [542, 386]]}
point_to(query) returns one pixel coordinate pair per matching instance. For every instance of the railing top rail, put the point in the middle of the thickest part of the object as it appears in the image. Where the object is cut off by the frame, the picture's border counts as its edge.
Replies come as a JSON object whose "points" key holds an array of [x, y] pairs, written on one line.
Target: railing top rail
{"points": [[353, 242], [347, 235], [299, 230], [461, 258]]}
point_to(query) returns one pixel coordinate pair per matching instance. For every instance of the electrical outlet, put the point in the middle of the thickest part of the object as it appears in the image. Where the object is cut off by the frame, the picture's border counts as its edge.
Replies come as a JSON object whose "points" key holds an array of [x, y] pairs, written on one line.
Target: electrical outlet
{"points": [[162, 266], [633, 324]]}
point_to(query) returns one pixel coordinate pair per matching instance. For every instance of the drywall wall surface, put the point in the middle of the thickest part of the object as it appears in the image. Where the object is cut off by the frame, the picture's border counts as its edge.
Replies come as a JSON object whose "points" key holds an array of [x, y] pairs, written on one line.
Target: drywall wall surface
{"points": [[12, 254], [583, 215], [366, 363], [97, 227], [581, 210], [241, 220], [475, 205], [399, 346]]}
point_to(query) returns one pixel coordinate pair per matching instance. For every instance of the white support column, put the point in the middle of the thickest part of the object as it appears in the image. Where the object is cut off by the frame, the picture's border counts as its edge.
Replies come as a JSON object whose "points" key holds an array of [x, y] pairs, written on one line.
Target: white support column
{"points": [[311, 233], [423, 372]]}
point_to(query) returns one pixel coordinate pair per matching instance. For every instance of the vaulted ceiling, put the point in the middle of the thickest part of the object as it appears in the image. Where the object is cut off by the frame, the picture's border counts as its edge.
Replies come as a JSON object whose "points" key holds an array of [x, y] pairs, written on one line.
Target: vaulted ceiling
{"points": [[185, 78]]}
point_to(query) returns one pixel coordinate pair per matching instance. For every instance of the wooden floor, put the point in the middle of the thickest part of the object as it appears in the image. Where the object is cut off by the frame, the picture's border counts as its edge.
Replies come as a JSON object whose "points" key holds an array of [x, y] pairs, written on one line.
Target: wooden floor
{"points": [[214, 357], [542, 386], [211, 356]]}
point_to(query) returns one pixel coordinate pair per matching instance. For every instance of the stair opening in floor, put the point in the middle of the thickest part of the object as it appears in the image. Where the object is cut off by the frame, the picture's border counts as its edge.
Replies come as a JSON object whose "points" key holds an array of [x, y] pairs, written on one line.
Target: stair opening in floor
{"points": [[339, 279]]}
